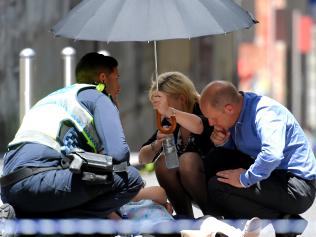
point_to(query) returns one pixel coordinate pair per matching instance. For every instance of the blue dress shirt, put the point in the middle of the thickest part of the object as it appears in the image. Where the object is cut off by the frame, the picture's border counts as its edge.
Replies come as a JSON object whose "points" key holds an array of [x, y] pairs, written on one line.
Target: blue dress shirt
{"points": [[270, 134]]}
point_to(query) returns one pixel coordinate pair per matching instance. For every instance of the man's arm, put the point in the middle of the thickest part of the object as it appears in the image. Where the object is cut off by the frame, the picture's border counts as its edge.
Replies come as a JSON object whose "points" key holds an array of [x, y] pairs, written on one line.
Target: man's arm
{"points": [[271, 129], [110, 130]]}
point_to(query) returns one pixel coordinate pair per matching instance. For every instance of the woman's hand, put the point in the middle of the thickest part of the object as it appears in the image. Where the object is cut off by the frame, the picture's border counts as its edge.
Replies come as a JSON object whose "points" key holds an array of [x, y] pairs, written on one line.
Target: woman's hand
{"points": [[148, 152], [159, 101], [160, 137], [169, 207]]}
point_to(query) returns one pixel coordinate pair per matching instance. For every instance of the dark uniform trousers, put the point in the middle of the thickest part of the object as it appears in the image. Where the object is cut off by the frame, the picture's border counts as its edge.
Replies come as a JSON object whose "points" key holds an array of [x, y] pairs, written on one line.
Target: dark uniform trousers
{"points": [[41, 195]]}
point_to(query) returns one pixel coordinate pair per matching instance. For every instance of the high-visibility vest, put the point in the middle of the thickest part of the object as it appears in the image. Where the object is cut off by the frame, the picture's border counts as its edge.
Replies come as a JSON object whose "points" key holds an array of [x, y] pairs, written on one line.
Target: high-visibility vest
{"points": [[43, 122]]}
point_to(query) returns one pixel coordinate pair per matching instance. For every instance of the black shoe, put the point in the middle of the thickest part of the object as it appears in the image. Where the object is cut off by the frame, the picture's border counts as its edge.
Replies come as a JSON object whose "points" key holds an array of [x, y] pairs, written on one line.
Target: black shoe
{"points": [[286, 235], [220, 235], [182, 217], [297, 225], [7, 213], [202, 218]]}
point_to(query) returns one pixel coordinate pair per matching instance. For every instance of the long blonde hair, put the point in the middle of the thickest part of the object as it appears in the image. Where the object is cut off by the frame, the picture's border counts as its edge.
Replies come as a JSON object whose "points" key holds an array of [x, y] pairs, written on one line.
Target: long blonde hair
{"points": [[176, 84]]}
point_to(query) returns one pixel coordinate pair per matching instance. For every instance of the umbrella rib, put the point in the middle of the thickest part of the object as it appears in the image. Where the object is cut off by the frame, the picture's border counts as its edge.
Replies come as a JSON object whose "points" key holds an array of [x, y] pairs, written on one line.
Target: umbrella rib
{"points": [[83, 27], [95, 13], [234, 28], [188, 33], [177, 20], [232, 12], [214, 17], [114, 23]]}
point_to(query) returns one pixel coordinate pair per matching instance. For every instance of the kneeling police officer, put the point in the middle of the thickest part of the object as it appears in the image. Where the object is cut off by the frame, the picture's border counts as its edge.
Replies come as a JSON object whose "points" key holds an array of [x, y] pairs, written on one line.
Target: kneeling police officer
{"points": [[67, 124]]}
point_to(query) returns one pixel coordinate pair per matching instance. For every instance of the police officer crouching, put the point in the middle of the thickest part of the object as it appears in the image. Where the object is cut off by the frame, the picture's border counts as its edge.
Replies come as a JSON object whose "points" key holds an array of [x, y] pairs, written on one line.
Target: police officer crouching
{"points": [[69, 158]]}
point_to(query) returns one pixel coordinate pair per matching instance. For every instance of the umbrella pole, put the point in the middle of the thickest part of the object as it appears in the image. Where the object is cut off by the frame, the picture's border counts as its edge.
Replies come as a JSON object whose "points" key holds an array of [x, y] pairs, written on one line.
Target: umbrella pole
{"points": [[156, 64], [158, 115]]}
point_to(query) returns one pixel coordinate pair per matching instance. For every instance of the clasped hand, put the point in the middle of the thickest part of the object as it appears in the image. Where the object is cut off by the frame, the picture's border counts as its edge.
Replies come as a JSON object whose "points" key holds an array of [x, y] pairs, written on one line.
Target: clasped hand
{"points": [[219, 136], [159, 101]]}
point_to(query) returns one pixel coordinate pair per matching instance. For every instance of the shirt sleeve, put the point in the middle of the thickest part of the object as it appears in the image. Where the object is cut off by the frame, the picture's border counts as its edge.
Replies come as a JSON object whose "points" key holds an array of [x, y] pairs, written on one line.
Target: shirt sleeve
{"points": [[109, 128], [271, 130]]}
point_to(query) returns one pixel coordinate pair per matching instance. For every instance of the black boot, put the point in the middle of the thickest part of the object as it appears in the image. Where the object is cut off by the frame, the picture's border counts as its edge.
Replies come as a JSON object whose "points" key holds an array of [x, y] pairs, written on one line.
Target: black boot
{"points": [[286, 235], [297, 224]]}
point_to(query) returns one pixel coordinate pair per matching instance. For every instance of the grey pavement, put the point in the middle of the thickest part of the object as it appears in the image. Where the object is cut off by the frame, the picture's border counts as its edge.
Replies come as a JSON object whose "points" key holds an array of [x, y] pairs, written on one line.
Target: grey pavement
{"points": [[150, 179], [309, 215]]}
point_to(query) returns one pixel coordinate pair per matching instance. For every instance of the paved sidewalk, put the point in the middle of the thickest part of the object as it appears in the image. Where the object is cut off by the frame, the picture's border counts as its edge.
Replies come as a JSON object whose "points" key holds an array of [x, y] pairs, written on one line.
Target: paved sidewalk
{"points": [[150, 178], [309, 215]]}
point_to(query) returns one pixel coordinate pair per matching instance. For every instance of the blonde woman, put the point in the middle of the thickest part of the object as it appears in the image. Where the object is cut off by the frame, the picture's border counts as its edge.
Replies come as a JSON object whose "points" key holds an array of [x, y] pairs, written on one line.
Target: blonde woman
{"points": [[177, 96]]}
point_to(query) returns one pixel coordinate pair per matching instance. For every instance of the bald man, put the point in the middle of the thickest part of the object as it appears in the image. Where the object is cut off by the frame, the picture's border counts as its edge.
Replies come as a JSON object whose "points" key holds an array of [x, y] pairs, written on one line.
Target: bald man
{"points": [[281, 180]]}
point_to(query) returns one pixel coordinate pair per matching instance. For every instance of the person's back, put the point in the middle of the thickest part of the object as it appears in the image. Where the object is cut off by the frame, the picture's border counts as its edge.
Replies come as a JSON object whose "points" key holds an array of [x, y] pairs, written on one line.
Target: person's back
{"points": [[290, 149], [281, 181], [79, 116]]}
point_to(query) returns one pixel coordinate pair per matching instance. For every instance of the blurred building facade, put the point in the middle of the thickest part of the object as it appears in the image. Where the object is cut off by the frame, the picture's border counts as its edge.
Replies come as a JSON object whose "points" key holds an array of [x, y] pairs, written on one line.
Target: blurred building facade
{"points": [[280, 59], [262, 59]]}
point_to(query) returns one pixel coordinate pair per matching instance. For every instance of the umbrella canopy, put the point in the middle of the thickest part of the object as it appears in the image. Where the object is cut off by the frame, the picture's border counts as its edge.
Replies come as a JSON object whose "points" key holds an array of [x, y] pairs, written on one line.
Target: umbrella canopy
{"points": [[151, 20]]}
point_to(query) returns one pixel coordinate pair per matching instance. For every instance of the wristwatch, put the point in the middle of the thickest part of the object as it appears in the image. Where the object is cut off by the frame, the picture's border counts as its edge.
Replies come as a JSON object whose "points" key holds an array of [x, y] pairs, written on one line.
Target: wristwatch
{"points": [[173, 112]]}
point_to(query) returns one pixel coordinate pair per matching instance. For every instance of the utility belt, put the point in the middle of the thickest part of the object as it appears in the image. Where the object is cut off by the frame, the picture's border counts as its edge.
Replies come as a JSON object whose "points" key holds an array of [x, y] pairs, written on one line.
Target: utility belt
{"points": [[93, 168]]}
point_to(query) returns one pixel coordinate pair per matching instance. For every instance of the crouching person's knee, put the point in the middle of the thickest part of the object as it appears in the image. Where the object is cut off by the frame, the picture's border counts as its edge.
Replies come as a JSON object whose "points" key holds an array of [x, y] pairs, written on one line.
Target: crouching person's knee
{"points": [[135, 181], [215, 186]]}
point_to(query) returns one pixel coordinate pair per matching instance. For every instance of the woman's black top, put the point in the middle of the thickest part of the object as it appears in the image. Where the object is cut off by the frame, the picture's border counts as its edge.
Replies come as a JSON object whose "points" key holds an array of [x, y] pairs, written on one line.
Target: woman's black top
{"points": [[200, 143]]}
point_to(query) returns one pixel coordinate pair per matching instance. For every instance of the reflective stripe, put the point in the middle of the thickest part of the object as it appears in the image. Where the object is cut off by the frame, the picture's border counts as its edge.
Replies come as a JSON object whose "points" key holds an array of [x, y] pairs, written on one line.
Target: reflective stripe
{"points": [[36, 136], [46, 117]]}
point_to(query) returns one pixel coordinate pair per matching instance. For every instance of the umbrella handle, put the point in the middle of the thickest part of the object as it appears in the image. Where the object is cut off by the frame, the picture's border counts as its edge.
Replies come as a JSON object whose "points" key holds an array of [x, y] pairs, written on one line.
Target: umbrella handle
{"points": [[168, 130]]}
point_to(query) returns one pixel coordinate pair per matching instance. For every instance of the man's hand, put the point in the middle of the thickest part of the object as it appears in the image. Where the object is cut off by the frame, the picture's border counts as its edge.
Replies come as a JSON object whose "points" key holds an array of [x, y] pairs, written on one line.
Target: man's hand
{"points": [[219, 136], [231, 177]]}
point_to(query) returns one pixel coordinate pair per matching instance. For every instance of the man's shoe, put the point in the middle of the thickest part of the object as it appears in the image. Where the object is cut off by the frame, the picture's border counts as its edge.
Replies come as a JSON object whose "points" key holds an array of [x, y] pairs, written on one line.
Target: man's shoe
{"points": [[296, 225], [286, 235]]}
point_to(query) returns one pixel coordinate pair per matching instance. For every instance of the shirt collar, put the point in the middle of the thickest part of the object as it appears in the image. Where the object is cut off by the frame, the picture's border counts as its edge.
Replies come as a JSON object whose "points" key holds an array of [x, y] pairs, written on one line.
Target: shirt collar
{"points": [[244, 105]]}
